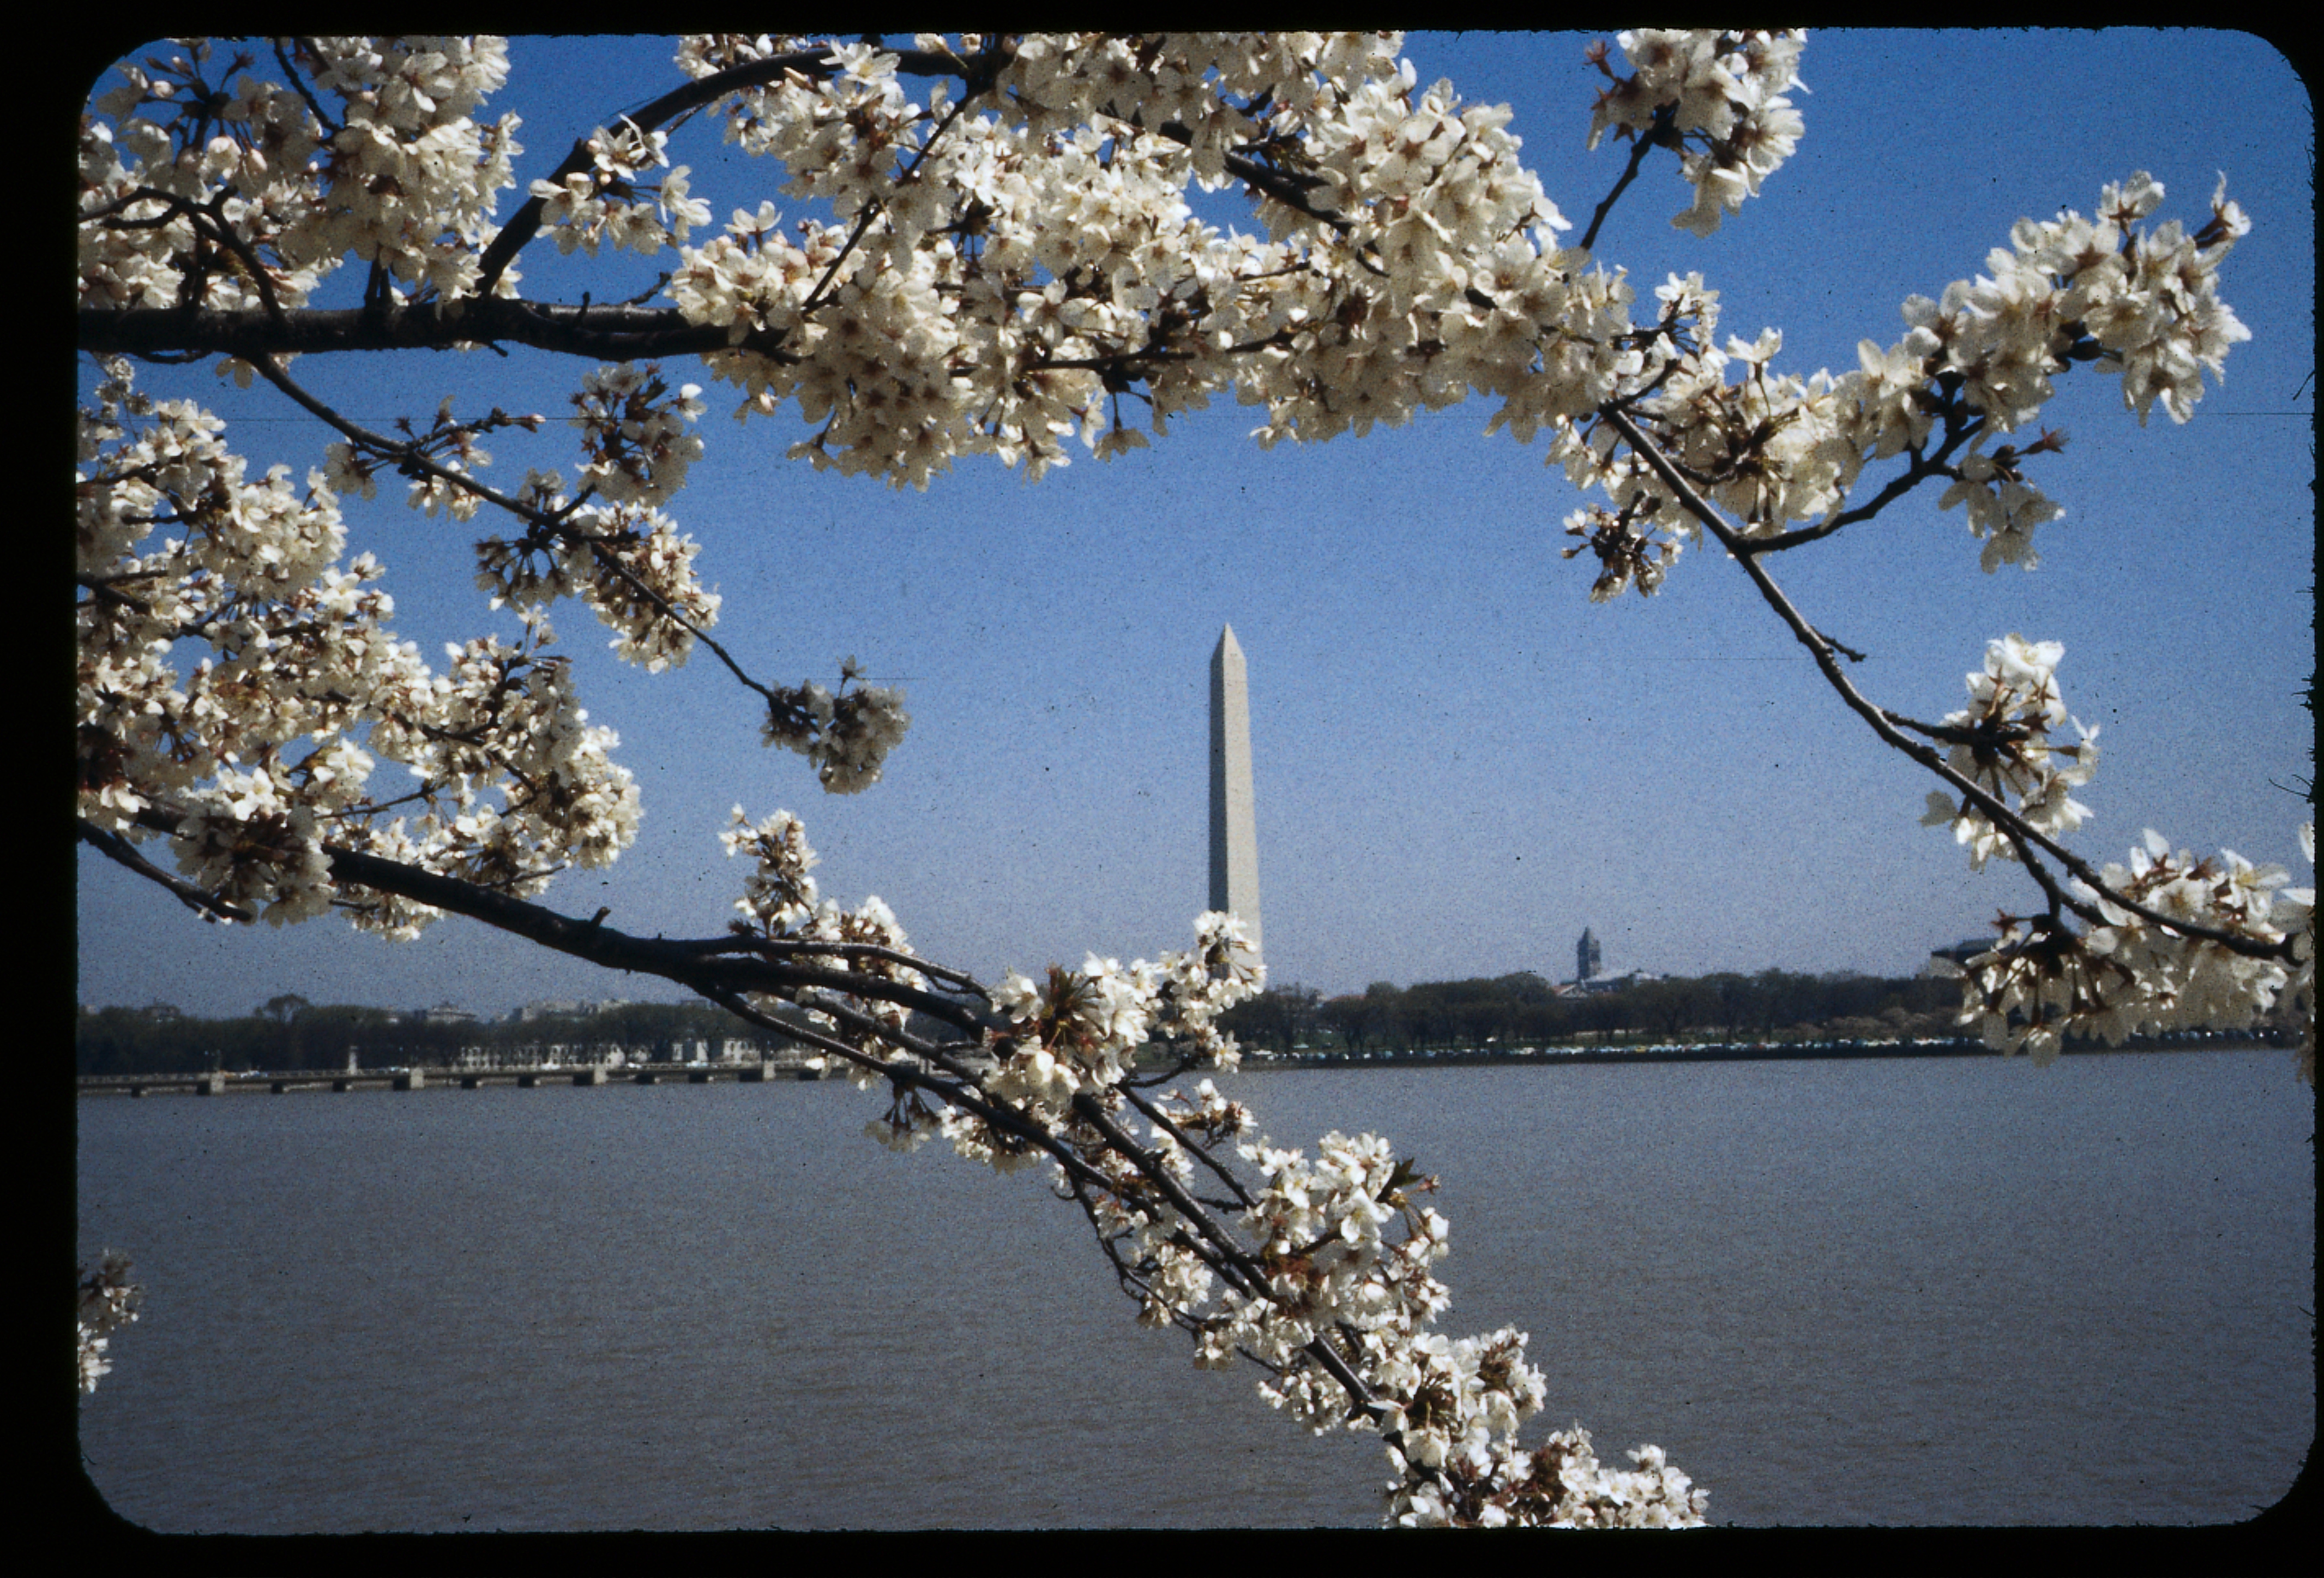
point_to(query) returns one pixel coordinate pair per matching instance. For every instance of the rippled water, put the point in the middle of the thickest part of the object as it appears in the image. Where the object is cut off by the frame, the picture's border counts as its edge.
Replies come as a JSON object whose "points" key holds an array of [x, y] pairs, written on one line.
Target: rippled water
{"points": [[1919, 1291]]}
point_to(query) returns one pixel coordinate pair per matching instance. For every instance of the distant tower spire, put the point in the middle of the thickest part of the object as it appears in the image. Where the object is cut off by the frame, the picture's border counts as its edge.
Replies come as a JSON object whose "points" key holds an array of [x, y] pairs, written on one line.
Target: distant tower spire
{"points": [[1585, 956], [1235, 836]]}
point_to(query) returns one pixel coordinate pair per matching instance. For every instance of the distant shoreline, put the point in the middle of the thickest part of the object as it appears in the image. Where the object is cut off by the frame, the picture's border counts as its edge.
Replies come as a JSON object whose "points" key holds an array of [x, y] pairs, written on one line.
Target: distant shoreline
{"points": [[647, 1072], [1740, 1052]]}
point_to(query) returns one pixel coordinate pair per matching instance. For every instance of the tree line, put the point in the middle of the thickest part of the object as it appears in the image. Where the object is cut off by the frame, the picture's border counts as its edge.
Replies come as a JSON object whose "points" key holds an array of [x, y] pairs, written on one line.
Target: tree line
{"points": [[1522, 1009], [1525, 1009]]}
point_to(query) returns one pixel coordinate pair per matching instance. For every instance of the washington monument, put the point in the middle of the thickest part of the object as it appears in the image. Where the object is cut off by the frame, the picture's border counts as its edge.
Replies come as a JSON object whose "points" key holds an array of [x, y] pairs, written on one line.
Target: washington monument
{"points": [[1234, 837]]}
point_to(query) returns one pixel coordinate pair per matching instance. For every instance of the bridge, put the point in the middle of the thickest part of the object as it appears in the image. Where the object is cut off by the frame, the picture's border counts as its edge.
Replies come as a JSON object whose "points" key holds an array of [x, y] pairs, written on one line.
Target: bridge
{"points": [[280, 1083]]}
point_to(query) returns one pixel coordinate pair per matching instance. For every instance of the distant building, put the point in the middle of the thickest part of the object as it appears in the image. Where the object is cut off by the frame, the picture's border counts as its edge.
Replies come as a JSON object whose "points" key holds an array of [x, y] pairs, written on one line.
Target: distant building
{"points": [[567, 1008], [1586, 960], [1604, 983]]}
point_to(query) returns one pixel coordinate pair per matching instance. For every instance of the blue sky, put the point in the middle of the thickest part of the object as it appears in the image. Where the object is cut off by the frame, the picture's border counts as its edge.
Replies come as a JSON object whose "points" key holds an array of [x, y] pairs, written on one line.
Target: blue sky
{"points": [[1460, 760]]}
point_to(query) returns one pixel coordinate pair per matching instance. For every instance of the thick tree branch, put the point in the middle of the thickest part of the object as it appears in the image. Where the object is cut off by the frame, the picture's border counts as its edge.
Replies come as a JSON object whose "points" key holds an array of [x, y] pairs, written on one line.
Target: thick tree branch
{"points": [[612, 334], [702, 964], [115, 848]]}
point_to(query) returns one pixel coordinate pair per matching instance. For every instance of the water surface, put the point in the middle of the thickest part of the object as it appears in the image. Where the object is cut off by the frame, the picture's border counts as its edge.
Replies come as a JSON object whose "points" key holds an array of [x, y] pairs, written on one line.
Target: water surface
{"points": [[1899, 1292]]}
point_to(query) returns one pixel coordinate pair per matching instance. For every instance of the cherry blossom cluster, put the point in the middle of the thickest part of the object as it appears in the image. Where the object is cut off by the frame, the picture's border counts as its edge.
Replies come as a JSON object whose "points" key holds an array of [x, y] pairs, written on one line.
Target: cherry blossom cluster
{"points": [[259, 759], [603, 202], [1334, 1276], [1775, 450], [778, 896], [2132, 971], [635, 570], [107, 1302], [2002, 508], [1331, 1272], [1560, 1484], [1163, 1256], [247, 196], [1062, 1057], [628, 562], [1627, 556], [439, 460], [410, 179], [2137, 975], [1459, 1464], [1718, 97], [638, 438], [846, 734], [1079, 1029], [998, 283], [2001, 743], [2148, 299], [1077, 1036], [780, 902]]}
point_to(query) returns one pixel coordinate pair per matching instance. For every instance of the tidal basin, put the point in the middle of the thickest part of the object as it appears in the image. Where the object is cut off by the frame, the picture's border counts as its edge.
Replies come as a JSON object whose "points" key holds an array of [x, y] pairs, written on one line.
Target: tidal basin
{"points": [[1909, 1291]]}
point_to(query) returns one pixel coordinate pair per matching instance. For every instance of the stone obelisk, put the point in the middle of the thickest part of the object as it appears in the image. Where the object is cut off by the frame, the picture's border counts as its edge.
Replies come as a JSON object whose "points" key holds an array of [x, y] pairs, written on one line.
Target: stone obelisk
{"points": [[1235, 836]]}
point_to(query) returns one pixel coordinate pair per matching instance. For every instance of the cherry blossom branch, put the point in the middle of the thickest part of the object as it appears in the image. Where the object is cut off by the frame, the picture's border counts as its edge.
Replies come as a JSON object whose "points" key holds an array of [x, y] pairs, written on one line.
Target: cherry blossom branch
{"points": [[412, 456], [701, 964], [1090, 1111], [331, 128], [1201, 1152], [778, 948], [871, 210], [1211, 1241], [1287, 187], [685, 99], [115, 848], [1822, 650], [1961, 427], [208, 224], [960, 1091], [1217, 1246]]}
